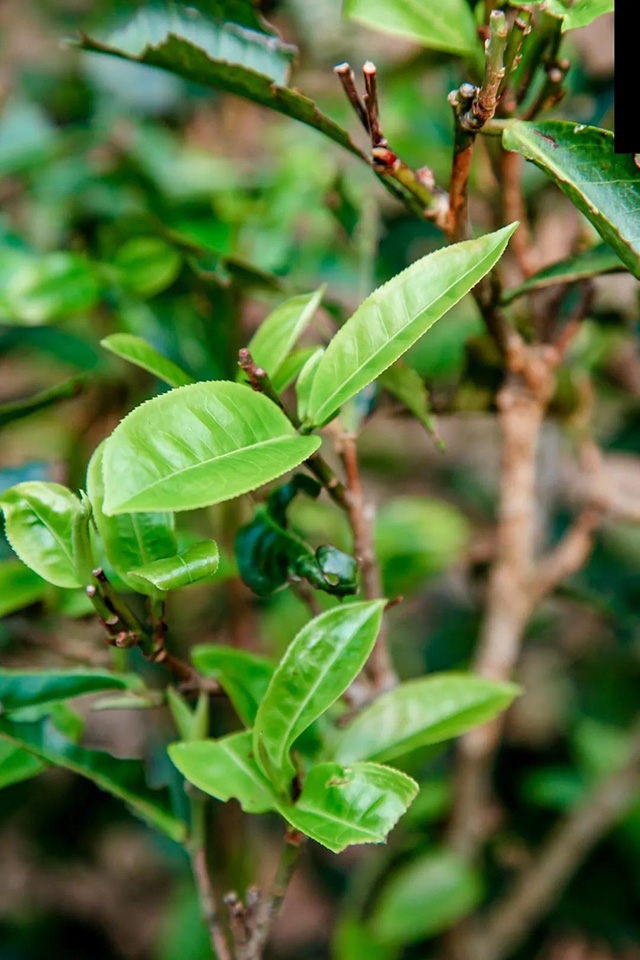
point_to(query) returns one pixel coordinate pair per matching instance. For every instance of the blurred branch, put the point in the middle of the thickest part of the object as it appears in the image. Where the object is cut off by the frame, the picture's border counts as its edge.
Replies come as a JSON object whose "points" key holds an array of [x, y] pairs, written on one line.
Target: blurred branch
{"points": [[566, 848], [266, 912], [200, 869]]}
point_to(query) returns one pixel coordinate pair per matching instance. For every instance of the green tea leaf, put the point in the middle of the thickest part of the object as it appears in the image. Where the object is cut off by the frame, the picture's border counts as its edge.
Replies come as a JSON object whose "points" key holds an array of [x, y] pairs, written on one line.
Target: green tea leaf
{"points": [[243, 676], [589, 263], [576, 14], [197, 563], [441, 26], [191, 724], [394, 316], [18, 409], [291, 368], [124, 779], [305, 382], [130, 540], [425, 897], [225, 769], [407, 386], [16, 765], [147, 265], [318, 666], [142, 354], [19, 587], [605, 186], [222, 56], [198, 445], [420, 712], [41, 523], [340, 806], [28, 688], [37, 290], [277, 334], [269, 555]]}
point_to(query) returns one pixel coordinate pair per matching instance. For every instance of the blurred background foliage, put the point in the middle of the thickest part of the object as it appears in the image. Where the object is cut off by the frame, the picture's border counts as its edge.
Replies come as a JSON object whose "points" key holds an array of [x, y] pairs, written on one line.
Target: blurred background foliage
{"points": [[133, 201]]}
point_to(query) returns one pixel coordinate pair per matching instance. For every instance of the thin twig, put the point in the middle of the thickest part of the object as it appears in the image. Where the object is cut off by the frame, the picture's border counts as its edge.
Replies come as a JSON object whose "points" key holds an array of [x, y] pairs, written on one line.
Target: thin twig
{"points": [[566, 848], [200, 869], [270, 908], [380, 666]]}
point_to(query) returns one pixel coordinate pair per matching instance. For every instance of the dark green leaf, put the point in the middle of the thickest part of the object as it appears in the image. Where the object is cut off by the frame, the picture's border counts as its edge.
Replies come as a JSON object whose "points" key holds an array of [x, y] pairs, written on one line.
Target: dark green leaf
{"points": [[420, 712], [28, 688], [147, 265], [243, 676], [590, 263], [19, 587], [17, 409], [16, 765], [605, 186], [340, 806], [425, 897], [394, 316], [124, 779], [225, 769], [46, 526], [199, 445], [320, 663], [449, 26], [142, 354], [130, 540], [196, 564]]}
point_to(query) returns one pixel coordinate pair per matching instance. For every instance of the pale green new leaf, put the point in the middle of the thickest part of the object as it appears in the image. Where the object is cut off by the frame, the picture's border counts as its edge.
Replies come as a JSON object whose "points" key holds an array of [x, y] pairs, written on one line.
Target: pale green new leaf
{"points": [[225, 769], [196, 564], [340, 806], [291, 368], [142, 354], [243, 676], [582, 266], [29, 688], [318, 666], [420, 712], [124, 779], [305, 382], [41, 523], [277, 334], [406, 384], [605, 186], [578, 13], [425, 897], [130, 540], [190, 724], [394, 316], [199, 445], [442, 26], [19, 587]]}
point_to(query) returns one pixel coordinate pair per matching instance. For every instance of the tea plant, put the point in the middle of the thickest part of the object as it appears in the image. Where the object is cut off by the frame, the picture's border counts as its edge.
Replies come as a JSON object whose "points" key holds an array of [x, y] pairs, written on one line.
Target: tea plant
{"points": [[319, 730]]}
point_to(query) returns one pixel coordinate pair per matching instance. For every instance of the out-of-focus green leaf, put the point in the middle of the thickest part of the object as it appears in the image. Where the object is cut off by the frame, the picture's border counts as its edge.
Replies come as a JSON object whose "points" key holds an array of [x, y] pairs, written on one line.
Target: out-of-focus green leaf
{"points": [[124, 779], [130, 540], [46, 525], [142, 354], [416, 538], [353, 941], [291, 368], [420, 712], [603, 185], [580, 13], [28, 688], [276, 336], [425, 897], [340, 806], [247, 64], [590, 263], [19, 587], [269, 555], [18, 409], [305, 381], [225, 769], [407, 386], [318, 666], [449, 26], [44, 289], [190, 724], [17, 765], [147, 265], [243, 676], [394, 316], [27, 136], [197, 563], [199, 445]]}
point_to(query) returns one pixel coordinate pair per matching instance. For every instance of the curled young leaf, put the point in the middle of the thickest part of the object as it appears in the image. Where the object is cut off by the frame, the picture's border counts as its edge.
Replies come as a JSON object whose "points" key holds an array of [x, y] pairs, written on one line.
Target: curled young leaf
{"points": [[198, 445], [394, 316], [320, 663], [196, 564], [46, 525]]}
